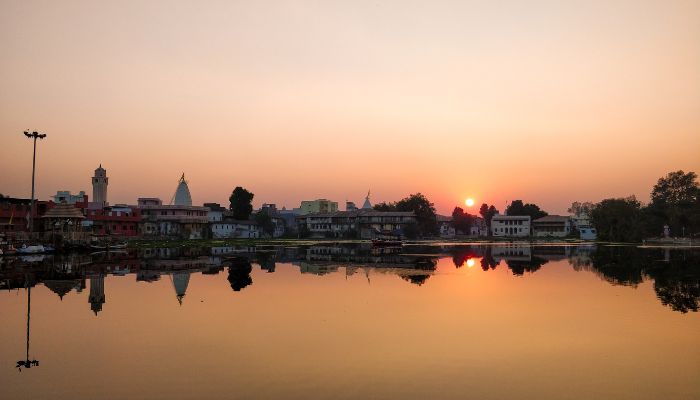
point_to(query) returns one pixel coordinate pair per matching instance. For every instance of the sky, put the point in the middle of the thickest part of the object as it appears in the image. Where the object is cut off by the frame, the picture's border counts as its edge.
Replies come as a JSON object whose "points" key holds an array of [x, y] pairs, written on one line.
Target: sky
{"points": [[546, 101]]}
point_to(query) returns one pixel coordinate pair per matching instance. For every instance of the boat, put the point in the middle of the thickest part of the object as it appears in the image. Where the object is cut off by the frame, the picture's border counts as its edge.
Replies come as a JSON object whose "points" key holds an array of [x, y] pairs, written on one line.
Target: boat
{"points": [[108, 247], [386, 242], [33, 249]]}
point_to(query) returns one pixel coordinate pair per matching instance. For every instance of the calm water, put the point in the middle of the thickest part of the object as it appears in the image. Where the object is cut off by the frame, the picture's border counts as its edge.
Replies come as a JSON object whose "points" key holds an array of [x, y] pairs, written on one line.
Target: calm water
{"points": [[352, 322]]}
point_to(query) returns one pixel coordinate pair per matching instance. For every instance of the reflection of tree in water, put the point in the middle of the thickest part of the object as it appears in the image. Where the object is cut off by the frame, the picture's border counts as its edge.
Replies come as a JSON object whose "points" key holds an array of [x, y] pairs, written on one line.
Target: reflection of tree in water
{"points": [[677, 281], [675, 272], [619, 265], [416, 279], [239, 273], [488, 262], [266, 261], [519, 267]]}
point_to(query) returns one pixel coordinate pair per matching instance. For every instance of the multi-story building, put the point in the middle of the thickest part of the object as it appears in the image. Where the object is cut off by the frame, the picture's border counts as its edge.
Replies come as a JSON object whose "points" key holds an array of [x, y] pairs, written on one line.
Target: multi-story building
{"points": [[552, 226], [446, 227], [119, 219], [365, 224], [216, 212], [65, 196], [14, 215], [510, 225], [230, 228], [317, 206], [180, 221]]}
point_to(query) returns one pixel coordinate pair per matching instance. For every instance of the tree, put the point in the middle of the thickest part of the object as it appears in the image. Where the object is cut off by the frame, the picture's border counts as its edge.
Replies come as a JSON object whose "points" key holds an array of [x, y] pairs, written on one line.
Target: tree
{"points": [[264, 220], [518, 208], [675, 201], [487, 212], [580, 208], [241, 203], [462, 221], [425, 213], [384, 206], [424, 210], [619, 220]]}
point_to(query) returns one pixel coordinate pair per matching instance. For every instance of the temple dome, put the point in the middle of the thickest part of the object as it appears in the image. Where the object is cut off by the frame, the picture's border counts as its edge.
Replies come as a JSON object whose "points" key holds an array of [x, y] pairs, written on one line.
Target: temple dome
{"points": [[367, 205], [182, 194]]}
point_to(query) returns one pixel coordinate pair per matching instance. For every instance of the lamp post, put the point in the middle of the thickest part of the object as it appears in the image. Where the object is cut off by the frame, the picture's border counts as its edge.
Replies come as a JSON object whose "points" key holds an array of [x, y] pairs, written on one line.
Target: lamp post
{"points": [[34, 135]]}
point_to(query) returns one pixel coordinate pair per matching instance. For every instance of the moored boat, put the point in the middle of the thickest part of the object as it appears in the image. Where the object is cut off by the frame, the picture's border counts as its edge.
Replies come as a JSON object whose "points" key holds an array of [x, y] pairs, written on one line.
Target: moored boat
{"points": [[33, 249]]}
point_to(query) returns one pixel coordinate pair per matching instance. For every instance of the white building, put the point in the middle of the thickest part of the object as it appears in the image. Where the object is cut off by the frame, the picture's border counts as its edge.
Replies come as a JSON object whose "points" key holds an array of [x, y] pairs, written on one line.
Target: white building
{"points": [[66, 196], [510, 226], [230, 229], [216, 212], [446, 227]]}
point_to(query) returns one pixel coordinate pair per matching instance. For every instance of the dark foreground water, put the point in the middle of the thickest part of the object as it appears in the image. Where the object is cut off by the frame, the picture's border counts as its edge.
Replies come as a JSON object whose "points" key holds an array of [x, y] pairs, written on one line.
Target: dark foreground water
{"points": [[352, 322]]}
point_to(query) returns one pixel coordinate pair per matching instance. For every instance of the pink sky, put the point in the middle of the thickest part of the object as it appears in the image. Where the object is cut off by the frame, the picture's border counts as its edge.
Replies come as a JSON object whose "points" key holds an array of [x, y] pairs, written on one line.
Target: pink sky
{"points": [[541, 101]]}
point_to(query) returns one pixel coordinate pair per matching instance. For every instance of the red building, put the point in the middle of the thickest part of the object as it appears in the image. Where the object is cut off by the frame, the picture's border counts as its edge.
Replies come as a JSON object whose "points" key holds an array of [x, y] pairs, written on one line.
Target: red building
{"points": [[14, 214], [120, 220]]}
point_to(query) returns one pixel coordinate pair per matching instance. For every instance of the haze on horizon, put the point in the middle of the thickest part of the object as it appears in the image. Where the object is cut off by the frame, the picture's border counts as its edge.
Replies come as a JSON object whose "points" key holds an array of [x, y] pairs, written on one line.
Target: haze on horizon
{"points": [[541, 101]]}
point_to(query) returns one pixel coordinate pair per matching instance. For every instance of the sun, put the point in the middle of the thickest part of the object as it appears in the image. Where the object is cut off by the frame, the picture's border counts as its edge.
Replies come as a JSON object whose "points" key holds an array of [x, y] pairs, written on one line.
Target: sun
{"points": [[469, 202]]}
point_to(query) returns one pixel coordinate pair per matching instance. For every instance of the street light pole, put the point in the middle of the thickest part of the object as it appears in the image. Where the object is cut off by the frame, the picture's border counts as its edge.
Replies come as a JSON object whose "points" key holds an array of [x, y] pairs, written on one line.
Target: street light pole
{"points": [[34, 135]]}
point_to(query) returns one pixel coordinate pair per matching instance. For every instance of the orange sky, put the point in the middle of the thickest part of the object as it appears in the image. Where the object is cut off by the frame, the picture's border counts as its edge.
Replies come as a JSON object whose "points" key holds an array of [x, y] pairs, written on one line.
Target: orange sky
{"points": [[543, 101]]}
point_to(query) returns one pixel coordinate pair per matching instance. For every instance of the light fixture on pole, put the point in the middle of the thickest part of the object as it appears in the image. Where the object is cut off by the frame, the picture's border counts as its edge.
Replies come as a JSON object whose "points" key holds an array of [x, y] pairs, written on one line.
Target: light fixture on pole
{"points": [[34, 135]]}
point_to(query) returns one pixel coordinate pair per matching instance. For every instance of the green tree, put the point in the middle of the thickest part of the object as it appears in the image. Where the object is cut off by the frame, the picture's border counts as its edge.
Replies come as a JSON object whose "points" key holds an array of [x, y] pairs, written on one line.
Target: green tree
{"points": [[581, 208], [619, 220], [462, 221], [384, 206], [424, 210], [487, 212], [517, 207], [241, 203], [264, 220], [675, 201]]}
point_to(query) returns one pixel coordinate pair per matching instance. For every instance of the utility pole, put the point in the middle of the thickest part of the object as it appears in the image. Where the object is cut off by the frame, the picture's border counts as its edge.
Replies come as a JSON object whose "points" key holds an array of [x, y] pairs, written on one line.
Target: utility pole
{"points": [[34, 135]]}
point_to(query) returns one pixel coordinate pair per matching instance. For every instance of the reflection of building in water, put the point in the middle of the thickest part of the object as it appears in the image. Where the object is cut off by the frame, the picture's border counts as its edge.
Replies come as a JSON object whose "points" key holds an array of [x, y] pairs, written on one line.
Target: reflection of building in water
{"points": [[317, 269], [512, 252], [552, 253], [97, 292], [63, 286], [180, 281]]}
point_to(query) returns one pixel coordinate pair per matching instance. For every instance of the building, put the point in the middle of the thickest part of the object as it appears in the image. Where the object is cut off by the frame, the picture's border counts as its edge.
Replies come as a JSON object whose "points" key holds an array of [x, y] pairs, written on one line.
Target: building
{"points": [[119, 219], [216, 212], [479, 227], [510, 225], [231, 228], [367, 205], [582, 223], [14, 215], [178, 221], [182, 193], [446, 228], [99, 186], [65, 220], [65, 196], [365, 224], [317, 206], [551, 226]]}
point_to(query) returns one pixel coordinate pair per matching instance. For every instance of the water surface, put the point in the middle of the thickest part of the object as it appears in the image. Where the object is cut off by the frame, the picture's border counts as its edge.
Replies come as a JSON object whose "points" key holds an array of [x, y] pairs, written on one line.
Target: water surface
{"points": [[350, 322]]}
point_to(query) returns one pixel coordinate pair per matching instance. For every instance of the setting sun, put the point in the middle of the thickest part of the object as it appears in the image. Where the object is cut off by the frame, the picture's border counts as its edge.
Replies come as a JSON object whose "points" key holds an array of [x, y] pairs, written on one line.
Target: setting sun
{"points": [[469, 202]]}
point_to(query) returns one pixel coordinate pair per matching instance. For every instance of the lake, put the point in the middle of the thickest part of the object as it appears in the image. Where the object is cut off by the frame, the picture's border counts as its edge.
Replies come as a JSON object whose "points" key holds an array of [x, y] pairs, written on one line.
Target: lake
{"points": [[349, 321]]}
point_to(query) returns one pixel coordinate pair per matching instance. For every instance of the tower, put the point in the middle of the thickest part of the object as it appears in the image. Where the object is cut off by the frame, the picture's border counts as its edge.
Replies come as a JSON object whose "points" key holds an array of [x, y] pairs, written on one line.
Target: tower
{"points": [[99, 186]]}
